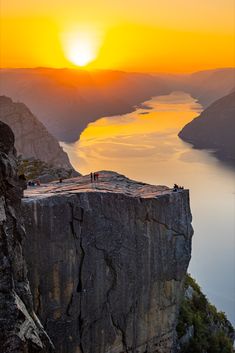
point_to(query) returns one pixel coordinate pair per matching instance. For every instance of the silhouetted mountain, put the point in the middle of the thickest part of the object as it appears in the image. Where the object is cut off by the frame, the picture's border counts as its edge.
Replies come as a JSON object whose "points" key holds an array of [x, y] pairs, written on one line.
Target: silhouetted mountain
{"points": [[214, 128]]}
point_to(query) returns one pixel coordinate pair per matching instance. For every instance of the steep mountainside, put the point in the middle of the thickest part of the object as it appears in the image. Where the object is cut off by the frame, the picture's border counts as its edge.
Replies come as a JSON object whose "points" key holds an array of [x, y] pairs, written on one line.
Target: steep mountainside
{"points": [[111, 274], [31, 137], [201, 328], [20, 329], [214, 128]]}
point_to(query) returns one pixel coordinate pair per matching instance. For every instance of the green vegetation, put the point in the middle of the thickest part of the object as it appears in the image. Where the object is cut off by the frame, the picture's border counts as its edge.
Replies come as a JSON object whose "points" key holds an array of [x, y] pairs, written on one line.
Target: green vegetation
{"points": [[36, 169], [211, 331]]}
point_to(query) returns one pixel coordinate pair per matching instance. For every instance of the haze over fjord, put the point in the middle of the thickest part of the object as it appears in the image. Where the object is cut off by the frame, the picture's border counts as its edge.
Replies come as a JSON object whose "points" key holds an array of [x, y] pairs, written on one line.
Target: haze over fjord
{"points": [[66, 100]]}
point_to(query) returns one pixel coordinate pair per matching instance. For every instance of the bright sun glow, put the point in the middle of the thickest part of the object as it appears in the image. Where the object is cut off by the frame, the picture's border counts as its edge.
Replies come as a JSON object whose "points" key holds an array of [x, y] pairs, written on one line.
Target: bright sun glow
{"points": [[81, 46]]}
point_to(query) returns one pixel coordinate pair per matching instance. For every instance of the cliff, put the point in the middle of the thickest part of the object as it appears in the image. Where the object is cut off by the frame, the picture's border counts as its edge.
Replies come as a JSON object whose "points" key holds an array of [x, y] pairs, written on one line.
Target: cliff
{"points": [[31, 137], [107, 263], [20, 329], [214, 128]]}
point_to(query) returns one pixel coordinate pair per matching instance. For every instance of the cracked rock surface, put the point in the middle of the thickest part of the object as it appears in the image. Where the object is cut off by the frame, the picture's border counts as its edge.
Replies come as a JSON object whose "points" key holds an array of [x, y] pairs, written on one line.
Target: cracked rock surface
{"points": [[107, 262], [20, 329]]}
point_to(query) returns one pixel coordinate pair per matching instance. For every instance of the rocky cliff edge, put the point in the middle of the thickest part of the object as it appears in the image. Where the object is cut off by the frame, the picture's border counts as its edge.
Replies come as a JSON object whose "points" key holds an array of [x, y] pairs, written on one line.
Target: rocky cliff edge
{"points": [[20, 329], [107, 261]]}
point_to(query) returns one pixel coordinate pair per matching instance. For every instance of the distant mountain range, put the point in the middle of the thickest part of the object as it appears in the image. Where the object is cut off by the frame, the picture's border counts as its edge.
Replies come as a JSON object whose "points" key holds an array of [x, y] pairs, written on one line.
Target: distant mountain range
{"points": [[206, 86], [214, 128], [66, 100], [32, 140]]}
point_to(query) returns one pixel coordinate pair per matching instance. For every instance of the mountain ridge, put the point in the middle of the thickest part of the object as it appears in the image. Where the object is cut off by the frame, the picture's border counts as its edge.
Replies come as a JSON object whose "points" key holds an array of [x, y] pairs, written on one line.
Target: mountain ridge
{"points": [[67, 100]]}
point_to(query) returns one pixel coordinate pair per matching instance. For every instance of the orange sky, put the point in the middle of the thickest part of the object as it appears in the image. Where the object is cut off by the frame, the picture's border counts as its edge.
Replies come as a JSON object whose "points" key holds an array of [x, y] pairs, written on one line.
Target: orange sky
{"points": [[133, 35]]}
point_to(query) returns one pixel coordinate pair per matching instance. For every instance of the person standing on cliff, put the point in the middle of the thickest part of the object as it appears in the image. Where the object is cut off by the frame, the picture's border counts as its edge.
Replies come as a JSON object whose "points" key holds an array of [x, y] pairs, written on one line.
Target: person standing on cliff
{"points": [[91, 177], [96, 176]]}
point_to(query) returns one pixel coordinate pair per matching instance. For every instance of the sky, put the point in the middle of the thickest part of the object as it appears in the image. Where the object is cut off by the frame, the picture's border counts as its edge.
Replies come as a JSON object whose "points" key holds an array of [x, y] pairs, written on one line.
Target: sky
{"points": [[132, 35]]}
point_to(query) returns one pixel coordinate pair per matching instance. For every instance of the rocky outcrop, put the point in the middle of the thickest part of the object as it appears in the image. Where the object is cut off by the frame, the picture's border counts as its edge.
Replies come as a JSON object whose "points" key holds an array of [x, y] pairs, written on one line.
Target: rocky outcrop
{"points": [[20, 329], [107, 263], [31, 137], [214, 128], [201, 328], [34, 169]]}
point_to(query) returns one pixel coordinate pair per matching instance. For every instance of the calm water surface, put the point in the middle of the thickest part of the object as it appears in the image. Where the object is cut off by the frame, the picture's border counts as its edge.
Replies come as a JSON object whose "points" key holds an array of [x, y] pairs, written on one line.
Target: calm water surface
{"points": [[144, 146]]}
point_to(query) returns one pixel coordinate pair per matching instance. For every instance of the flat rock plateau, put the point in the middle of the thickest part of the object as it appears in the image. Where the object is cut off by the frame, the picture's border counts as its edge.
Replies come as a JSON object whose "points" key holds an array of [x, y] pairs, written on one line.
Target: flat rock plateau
{"points": [[107, 261]]}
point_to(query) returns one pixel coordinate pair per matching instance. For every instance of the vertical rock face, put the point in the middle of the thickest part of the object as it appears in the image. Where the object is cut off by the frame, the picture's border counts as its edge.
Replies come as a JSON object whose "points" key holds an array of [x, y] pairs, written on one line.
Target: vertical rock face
{"points": [[20, 329], [107, 263]]}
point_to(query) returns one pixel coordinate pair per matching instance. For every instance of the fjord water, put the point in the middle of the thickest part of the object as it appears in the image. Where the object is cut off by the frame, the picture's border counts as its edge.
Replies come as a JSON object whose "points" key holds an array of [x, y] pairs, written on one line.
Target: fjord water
{"points": [[144, 146]]}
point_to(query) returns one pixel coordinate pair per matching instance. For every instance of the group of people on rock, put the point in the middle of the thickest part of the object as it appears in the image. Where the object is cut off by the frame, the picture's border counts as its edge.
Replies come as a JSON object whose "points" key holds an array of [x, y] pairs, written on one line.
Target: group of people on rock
{"points": [[94, 177], [177, 187], [24, 182], [34, 182]]}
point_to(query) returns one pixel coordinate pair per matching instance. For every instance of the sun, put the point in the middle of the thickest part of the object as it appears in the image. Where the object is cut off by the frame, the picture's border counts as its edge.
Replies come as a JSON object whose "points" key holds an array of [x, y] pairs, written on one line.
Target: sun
{"points": [[81, 52], [81, 47]]}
